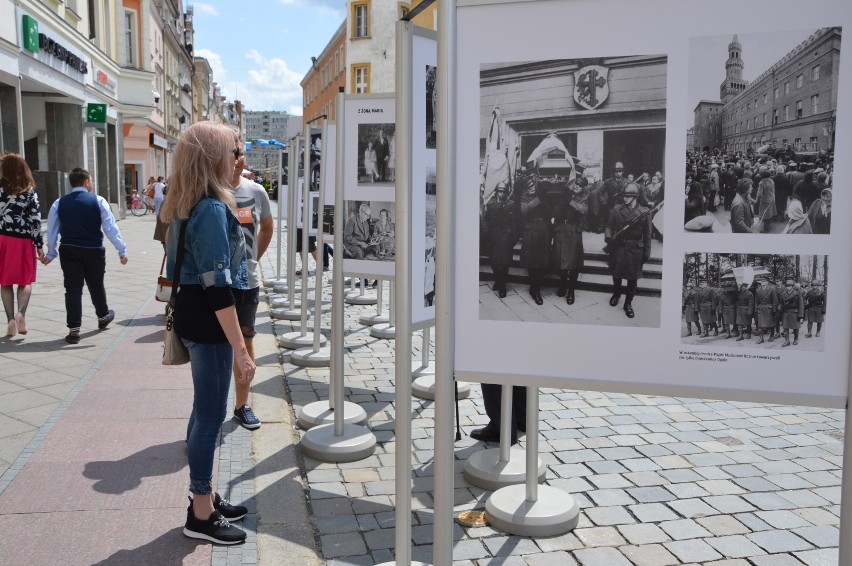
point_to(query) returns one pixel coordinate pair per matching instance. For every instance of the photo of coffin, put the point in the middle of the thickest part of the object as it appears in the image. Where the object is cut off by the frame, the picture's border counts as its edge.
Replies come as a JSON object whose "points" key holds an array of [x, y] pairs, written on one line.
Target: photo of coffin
{"points": [[557, 169]]}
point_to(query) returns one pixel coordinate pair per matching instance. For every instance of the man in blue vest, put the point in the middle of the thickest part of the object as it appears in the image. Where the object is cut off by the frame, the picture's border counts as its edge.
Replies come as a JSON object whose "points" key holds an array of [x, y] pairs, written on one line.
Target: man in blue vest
{"points": [[81, 218]]}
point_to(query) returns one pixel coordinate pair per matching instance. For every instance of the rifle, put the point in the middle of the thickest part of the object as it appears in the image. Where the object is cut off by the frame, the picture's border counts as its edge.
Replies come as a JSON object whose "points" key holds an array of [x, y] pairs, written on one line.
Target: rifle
{"points": [[609, 247]]}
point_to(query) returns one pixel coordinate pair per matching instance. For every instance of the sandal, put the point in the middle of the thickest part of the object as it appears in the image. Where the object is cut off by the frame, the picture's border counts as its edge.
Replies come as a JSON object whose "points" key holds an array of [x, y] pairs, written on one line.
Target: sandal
{"points": [[22, 325]]}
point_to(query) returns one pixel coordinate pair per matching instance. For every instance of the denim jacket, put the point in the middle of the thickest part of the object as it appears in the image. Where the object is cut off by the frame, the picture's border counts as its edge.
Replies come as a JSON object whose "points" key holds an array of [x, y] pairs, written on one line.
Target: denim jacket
{"points": [[215, 250]]}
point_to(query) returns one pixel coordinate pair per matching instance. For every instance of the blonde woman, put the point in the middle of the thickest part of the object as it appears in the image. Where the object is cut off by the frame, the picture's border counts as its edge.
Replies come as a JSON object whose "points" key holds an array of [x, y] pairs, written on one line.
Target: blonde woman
{"points": [[20, 239], [213, 275]]}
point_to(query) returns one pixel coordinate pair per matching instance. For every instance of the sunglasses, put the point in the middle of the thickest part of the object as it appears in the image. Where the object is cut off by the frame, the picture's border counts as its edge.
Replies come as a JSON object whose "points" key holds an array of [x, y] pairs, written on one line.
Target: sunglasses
{"points": [[237, 153]]}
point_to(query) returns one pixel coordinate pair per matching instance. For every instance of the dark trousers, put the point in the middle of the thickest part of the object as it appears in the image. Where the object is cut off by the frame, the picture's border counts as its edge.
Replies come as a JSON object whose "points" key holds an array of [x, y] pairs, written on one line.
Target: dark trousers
{"points": [[83, 265], [491, 394]]}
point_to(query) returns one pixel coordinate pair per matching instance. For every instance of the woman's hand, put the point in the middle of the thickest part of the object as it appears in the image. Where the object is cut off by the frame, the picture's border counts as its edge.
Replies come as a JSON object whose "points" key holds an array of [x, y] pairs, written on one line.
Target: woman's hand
{"points": [[246, 366]]}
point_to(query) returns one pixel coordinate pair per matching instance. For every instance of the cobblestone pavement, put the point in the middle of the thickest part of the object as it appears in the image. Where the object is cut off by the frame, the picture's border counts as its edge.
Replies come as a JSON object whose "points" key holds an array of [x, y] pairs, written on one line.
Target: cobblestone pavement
{"points": [[659, 480]]}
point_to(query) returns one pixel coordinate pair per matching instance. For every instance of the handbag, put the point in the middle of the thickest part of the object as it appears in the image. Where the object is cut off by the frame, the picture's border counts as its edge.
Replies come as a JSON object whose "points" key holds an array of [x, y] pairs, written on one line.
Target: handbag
{"points": [[174, 350], [164, 285]]}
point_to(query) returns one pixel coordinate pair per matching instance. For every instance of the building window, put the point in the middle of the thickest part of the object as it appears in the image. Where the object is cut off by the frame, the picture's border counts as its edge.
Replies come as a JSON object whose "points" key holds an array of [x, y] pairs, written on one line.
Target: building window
{"points": [[815, 104], [776, 92], [360, 79], [765, 97], [787, 87], [798, 109], [799, 81], [361, 19], [765, 119], [815, 73], [130, 38], [403, 10], [775, 116], [786, 113]]}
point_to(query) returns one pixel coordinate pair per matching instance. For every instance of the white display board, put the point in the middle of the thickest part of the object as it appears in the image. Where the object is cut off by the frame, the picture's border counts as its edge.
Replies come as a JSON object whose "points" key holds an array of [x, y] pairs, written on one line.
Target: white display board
{"points": [[368, 186], [627, 89], [423, 186], [329, 179]]}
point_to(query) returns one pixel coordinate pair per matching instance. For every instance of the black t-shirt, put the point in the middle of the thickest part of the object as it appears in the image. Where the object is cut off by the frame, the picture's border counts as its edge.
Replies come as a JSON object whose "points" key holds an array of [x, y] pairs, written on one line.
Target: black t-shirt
{"points": [[195, 312]]}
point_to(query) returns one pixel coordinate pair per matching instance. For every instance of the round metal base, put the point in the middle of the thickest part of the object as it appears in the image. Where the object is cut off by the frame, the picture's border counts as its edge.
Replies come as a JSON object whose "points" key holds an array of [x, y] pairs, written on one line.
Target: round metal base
{"points": [[554, 513], [419, 370], [412, 564], [371, 319], [297, 340], [359, 299], [284, 287], [356, 443], [286, 314], [384, 331], [272, 282], [484, 468], [319, 413], [424, 388], [284, 303], [307, 358]]}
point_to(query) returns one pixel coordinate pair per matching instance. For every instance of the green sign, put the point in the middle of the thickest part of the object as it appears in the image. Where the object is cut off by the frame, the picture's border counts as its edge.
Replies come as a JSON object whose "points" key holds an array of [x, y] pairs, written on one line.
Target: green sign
{"points": [[96, 113], [30, 27]]}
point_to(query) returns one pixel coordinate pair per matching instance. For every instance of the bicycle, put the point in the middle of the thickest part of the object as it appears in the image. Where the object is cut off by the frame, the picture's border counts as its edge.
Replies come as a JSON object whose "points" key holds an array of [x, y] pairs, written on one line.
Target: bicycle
{"points": [[138, 207]]}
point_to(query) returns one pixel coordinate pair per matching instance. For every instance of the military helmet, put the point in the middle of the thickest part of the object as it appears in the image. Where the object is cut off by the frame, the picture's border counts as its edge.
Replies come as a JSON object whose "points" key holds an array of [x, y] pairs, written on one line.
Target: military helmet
{"points": [[631, 190]]}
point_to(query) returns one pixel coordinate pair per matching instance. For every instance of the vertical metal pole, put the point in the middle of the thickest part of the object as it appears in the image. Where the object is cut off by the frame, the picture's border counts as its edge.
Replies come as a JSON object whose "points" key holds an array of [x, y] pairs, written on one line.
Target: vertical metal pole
{"points": [[426, 347], [532, 444], [320, 248], [845, 550], [401, 302], [506, 419], [392, 304], [442, 553], [337, 290], [306, 227], [292, 192], [278, 223], [379, 292]]}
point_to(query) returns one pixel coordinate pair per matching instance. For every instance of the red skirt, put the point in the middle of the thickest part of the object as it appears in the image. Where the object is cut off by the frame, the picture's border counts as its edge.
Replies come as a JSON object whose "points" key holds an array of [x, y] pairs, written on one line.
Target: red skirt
{"points": [[18, 264]]}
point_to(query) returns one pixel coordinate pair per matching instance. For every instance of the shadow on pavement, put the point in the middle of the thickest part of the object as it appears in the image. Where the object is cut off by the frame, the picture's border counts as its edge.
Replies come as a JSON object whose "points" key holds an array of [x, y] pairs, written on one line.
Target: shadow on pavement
{"points": [[169, 549], [124, 475]]}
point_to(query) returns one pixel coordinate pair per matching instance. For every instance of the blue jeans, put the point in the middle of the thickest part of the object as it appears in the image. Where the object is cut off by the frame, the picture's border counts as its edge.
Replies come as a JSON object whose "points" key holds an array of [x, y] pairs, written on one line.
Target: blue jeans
{"points": [[211, 379]]}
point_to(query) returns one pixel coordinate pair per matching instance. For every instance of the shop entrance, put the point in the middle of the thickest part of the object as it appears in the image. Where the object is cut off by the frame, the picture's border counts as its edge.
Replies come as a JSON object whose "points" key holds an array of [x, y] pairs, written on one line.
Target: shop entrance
{"points": [[641, 151]]}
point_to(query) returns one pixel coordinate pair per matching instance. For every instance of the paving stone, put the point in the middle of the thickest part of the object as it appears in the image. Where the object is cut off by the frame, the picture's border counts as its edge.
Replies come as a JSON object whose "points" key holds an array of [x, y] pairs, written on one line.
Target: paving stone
{"points": [[735, 546], [768, 501], [641, 534], [345, 544], [818, 516], [601, 557], [803, 498], [782, 519], [550, 558], [510, 546], [652, 512], [650, 494], [821, 536], [682, 529], [604, 516], [686, 490], [779, 541], [783, 560], [692, 508], [609, 481], [695, 550], [649, 555], [821, 557], [599, 536], [722, 525], [606, 497]]}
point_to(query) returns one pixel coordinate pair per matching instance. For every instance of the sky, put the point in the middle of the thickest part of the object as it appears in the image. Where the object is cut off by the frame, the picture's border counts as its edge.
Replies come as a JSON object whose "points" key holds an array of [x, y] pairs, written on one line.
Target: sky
{"points": [[260, 50], [707, 56]]}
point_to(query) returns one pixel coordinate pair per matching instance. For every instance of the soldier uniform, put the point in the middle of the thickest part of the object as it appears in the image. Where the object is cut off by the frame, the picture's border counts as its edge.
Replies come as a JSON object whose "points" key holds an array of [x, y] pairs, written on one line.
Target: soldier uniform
{"points": [[535, 235], [628, 233], [728, 309], [568, 219], [745, 311], [766, 303], [501, 218], [815, 307], [707, 305], [794, 311], [689, 307]]}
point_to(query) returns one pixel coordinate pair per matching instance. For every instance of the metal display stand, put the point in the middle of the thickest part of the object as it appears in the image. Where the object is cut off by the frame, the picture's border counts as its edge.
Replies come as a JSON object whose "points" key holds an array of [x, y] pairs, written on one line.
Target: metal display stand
{"points": [[318, 355], [423, 386], [359, 296], [278, 280], [507, 465], [387, 330], [378, 318], [338, 441], [290, 309], [530, 509]]}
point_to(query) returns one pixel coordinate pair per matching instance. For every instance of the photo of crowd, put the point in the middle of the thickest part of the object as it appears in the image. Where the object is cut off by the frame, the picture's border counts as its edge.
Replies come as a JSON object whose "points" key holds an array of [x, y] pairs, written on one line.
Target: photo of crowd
{"points": [[754, 300], [368, 232]]}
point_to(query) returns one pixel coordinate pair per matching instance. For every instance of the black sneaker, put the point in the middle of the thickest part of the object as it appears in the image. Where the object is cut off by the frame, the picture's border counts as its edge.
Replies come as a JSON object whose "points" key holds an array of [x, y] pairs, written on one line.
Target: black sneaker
{"points": [[245, 416], [230, 512], [104, 321], [215, 529], [73, 338]]}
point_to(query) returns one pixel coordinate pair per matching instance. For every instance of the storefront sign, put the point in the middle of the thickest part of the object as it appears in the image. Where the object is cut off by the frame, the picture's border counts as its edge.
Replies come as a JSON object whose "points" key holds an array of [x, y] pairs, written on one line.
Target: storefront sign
{"points": [[41, 43], [105, 80], [96, 113], [157, 141]]}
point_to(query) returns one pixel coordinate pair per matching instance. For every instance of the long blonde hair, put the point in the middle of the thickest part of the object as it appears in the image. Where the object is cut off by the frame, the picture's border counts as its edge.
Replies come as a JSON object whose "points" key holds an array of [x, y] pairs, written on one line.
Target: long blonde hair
{"points": [[203, 164]]}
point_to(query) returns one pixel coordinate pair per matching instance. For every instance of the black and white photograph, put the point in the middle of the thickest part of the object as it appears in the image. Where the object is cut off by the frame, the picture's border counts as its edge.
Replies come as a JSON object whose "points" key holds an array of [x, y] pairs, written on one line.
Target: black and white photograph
{"points": [[760, 301], [368, 231], [571, 202], [760, 152], [431, 106], [328, 220], [314, 210], [376, 154], [431, 231]]}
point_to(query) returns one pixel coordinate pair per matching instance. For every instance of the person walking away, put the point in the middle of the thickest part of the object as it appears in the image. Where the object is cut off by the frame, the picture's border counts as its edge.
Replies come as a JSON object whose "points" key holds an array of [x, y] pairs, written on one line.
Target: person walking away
{"points": [[251, 205], [815, 307], [159, 195], [819, 215], [765, 199], [794, 311], [714, 187], [20, 239], [212, 277], [628, 235], [782, 192], [80, 219]]}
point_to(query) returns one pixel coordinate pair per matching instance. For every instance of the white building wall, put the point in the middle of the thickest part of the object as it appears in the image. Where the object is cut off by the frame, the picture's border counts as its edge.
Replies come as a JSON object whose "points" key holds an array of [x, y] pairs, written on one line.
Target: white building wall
{"points": [[378, 50]]}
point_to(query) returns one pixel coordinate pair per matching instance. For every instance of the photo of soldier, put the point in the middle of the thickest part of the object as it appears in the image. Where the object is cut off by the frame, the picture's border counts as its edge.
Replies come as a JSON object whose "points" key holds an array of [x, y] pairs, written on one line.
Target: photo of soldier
{"points": [[755, 298], [628, 237], [501, 217], [569, 215], [535, 233]]}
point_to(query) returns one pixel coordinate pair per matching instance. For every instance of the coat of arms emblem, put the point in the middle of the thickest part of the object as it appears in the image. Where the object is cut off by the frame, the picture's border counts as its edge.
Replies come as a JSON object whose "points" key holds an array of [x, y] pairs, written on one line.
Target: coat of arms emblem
{"points": [[591, 86]]}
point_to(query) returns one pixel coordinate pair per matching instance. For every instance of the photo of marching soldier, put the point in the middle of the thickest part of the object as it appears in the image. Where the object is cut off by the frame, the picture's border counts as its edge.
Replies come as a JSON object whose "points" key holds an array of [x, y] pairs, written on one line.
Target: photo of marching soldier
{"points": [[754, 300], [760, 155], [571, 212]]}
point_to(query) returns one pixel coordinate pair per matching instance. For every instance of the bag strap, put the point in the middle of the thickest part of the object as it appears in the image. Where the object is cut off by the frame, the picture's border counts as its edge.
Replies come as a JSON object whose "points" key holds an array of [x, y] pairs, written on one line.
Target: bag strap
{"points": [[179, 260], [163, 264]]}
